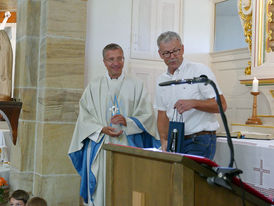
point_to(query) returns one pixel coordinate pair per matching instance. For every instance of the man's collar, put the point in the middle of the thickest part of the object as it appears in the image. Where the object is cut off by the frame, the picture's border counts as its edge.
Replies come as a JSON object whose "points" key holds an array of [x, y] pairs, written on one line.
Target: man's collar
{"points": [[177, 70]]}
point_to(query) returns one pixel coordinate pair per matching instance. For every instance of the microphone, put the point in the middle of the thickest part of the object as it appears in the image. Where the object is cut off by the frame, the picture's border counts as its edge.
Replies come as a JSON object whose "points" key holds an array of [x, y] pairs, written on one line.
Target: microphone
{"points": [[172, 82], [174, 137], [201, 79]]}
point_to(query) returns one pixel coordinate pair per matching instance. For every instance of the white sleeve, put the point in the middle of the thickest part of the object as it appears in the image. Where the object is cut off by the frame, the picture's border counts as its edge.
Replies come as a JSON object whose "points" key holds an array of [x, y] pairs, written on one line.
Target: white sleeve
{"points": [[207, 90], [95, 136], [158, 99], [131, 127]]}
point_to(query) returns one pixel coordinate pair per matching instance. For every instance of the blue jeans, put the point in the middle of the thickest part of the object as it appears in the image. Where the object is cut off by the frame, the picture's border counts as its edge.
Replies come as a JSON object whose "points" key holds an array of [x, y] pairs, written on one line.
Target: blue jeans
{"points": [[202, 145]]}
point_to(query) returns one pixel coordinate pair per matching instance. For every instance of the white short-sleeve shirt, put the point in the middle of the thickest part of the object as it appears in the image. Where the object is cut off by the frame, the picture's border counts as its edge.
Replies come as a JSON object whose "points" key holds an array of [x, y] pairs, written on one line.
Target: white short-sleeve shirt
{"points": [[167, 96]]}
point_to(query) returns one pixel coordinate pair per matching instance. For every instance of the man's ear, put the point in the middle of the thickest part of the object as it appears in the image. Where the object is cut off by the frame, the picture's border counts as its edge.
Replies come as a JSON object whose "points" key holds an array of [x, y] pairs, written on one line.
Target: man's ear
{"points": [[183, 48], [160, 53], [104, 63]]}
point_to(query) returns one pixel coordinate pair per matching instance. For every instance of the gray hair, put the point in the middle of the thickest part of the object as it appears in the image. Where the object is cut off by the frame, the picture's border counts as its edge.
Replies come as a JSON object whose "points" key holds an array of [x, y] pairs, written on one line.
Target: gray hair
{"points": [[111, 46], [168, 36]]}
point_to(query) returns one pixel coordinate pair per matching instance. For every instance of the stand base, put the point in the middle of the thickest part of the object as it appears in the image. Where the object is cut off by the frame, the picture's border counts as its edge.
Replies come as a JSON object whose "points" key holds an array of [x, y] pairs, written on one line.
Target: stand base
{"points": [[254, 120]]}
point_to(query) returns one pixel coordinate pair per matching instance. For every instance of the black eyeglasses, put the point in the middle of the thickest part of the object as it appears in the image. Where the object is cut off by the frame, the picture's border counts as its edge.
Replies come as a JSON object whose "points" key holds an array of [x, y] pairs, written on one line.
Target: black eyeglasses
{"points": [[175, 52]]}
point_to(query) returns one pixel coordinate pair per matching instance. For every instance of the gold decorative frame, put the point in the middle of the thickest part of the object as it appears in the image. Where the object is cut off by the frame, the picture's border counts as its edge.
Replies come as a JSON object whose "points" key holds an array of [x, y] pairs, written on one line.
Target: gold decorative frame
{"points": [[268, 30], [247, 19], [248, 68], [260, 42], [248, 82], [272, 93], [246, 16]]}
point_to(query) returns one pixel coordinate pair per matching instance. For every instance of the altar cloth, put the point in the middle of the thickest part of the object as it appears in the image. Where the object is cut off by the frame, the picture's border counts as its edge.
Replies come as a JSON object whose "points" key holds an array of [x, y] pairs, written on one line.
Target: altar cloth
{"points": [[5, 145], [254, 158]]}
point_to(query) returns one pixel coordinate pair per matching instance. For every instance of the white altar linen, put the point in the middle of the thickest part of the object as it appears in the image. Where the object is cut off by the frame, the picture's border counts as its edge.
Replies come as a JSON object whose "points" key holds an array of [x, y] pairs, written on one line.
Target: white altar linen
{"points": [[5, 172], [5, 145], [254, 158]]}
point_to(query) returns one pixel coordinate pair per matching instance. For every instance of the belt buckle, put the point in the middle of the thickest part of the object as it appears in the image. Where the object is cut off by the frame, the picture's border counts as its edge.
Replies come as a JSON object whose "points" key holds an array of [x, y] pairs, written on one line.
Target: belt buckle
{"points": [[193, 136]]}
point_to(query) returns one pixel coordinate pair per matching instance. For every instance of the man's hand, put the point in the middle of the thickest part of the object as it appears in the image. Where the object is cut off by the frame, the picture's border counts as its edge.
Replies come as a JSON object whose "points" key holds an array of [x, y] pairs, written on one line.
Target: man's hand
{"points": [[118, 119], [163, 124], [110, 131], [185, 105]]}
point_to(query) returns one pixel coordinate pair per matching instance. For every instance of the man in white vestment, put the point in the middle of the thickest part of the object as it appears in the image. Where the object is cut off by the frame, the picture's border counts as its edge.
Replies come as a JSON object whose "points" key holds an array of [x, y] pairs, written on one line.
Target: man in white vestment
{"points": [[113, 109]]}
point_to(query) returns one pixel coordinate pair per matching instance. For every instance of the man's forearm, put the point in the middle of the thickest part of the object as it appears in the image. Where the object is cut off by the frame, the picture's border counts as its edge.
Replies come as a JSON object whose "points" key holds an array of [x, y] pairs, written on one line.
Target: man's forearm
{"points": [[207, 105], [163, 124], [210, 105], [163, 132]]}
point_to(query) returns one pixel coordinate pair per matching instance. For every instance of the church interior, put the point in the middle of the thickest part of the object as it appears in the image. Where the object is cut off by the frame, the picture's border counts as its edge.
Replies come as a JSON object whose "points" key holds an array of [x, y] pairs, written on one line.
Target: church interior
{"points": [[57, 49]]}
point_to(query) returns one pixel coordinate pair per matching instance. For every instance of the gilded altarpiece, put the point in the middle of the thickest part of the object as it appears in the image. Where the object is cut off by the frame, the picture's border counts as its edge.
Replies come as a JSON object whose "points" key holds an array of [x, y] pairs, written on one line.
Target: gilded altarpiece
{"points": [[258, 25], [254, 150]]}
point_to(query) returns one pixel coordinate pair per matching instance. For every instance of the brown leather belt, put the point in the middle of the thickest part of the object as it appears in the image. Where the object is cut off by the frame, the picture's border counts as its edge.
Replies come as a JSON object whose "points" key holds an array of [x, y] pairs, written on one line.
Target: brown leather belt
{"points": [[199, 133]]}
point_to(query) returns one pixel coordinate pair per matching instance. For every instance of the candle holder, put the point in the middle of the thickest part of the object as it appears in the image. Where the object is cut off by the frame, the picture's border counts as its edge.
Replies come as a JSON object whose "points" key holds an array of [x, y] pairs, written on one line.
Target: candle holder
{"points": [[254, 119]]}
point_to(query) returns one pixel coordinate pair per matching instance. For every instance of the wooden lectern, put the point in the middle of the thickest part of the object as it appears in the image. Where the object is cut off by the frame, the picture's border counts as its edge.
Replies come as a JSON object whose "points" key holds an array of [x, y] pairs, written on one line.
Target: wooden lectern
{"points": [[138, 177]]}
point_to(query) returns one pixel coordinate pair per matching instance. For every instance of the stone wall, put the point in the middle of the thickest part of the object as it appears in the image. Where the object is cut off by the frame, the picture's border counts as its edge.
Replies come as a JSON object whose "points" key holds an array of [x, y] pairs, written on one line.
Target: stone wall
{"points": [[10, 5], [49, 80]]}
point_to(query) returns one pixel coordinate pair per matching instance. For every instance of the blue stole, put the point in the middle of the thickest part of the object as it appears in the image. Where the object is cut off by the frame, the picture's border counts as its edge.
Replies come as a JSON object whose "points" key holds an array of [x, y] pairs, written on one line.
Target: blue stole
{"points": [[79, 158]]}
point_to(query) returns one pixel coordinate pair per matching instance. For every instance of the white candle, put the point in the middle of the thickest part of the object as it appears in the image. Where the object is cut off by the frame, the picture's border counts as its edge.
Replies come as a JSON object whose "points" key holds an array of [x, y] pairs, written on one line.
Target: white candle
{"points": [[255, 85]]}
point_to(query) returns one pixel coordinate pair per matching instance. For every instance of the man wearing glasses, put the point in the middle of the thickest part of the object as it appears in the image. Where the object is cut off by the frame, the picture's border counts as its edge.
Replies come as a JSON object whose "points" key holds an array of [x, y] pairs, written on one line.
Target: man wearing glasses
{"points": [[195, 102], [114, 109]]}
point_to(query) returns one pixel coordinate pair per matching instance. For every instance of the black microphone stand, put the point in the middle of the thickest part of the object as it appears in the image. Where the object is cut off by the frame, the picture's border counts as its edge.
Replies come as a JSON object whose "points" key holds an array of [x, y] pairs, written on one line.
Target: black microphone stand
{"points": [[224, 175], [218, 100]]}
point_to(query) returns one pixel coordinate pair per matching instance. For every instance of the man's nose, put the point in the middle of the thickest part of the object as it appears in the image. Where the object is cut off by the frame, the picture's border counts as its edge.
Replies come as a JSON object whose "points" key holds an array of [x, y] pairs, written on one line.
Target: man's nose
{"points": [[116, 62], [172, 53]]}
